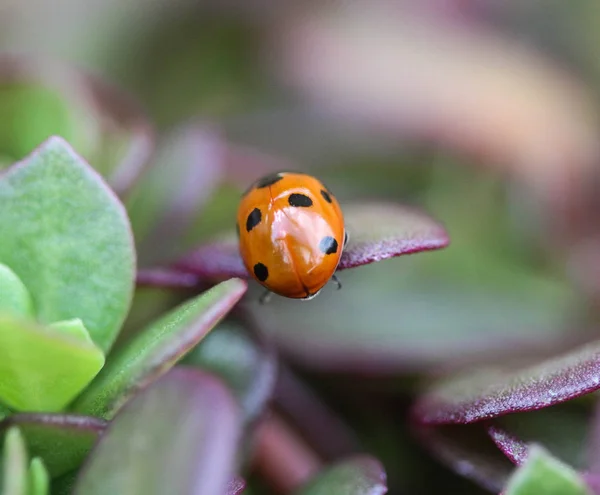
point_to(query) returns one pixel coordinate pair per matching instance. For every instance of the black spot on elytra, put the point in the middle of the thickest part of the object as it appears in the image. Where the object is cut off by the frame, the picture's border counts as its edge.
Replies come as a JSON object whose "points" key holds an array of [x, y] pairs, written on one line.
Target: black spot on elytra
{"points": [[253, 219], [300, 200], [326, 195], [328, 245], [261, 272], [268, 180]]}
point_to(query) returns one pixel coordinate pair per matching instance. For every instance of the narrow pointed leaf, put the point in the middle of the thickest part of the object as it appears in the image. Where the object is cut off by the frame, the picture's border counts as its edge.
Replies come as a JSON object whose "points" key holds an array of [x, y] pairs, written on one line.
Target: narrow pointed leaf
{"points": [[67, 237], [514, 448], [359, 475], [14, 296], [478, 395], [247, 366], [15, 461], [157, 348], [38, 477], [377, 231], [127, 135], [541, 473], [195, 426], [562, 430], [185, 170], [62, 441], [468, 451], [43, 369]]}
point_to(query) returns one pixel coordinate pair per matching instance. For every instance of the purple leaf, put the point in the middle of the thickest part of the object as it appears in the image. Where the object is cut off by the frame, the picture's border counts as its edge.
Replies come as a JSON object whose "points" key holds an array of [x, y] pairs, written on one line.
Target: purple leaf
{"points": [[517, 451], [377, 231], [319, 425], [387, 230], [561, 429], [479, 395], [592, 481], [166, 278], [358, 475], [245, 362], [236, 486], [61, 440], [468, 451], [125, 122], [179, 435], [186, 169], [593, 442], [216, 261], [512, 447]]}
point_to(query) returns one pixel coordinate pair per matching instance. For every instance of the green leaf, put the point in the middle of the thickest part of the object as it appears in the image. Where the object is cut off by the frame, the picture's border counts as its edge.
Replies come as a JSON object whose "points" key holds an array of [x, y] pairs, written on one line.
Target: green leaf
{"points": [[42, 369], [63, 485], [39, 99], [61, 440], [177, 436], [39, 480], [14, 297], [67, 237], [157, 348], [543, 474], [244, 363], [360, 475], [73, 328], [31, 113], [14, 472]]}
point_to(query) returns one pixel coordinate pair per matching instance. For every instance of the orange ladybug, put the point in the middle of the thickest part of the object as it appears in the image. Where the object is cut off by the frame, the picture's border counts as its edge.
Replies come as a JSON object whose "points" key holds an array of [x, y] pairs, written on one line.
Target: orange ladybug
{"points": [[291, 234]]}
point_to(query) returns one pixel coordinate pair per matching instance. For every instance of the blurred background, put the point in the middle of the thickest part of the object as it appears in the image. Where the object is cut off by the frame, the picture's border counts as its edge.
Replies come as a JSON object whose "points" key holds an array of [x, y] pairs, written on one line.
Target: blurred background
{"points": [[480, 112]]}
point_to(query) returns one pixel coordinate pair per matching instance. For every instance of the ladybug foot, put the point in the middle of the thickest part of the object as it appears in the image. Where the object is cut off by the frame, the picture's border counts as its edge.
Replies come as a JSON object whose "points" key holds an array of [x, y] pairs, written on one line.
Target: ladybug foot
{"points": [[335, 280], [265, 297]]}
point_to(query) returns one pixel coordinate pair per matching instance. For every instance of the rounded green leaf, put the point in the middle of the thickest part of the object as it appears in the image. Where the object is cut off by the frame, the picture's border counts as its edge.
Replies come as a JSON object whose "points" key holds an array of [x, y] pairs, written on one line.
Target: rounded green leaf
{"points": [[43, 369], [67, 237], [543, 474], [157, 348], [61, 440], [360, 475], [177, 436], [14, 297]]}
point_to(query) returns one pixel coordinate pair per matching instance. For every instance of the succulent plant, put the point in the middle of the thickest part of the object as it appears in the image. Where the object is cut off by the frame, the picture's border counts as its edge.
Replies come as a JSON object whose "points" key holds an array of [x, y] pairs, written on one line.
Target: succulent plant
{"points": [[460, 356]]}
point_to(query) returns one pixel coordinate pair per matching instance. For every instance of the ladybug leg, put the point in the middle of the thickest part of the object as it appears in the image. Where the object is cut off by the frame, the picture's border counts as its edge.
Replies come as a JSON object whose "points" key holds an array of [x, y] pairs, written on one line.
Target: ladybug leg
{"points": [[336, 281], [265, 297]]}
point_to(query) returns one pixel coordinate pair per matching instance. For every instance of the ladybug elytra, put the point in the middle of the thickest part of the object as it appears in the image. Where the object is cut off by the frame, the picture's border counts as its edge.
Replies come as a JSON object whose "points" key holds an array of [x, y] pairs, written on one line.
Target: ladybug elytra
{"points": [[291, 234]]}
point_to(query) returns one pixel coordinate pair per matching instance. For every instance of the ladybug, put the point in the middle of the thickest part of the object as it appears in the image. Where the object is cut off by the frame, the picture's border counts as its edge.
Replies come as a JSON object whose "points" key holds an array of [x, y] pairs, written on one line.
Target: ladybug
{"points": [[291, 234]]}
